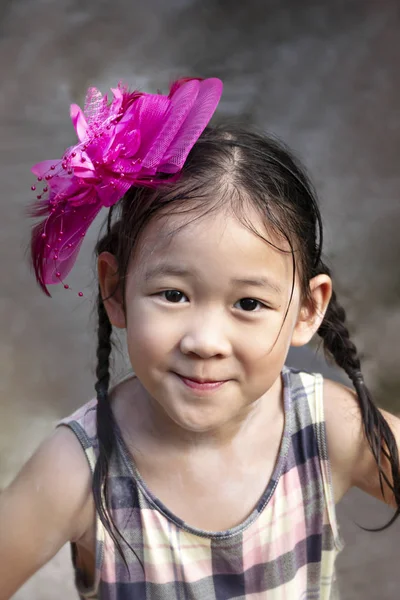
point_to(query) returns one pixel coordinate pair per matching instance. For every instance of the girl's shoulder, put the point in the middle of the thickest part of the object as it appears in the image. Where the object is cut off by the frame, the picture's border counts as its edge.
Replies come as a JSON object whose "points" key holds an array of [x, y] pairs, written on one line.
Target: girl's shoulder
{"points": [[352, 461], [83, 423], [50, 499], [83, 414], [343, 433]]}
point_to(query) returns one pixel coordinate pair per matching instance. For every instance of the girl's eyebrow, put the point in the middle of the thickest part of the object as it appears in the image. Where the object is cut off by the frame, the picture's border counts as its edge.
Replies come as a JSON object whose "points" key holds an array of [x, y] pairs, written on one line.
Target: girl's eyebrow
{"points": [[165, 269], [162, 269], [259, 282]]}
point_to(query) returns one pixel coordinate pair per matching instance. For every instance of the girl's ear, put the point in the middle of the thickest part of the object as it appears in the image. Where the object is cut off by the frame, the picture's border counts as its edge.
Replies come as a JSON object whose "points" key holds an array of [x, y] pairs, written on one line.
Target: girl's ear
{"points": [[313, 310], [107, 268]]}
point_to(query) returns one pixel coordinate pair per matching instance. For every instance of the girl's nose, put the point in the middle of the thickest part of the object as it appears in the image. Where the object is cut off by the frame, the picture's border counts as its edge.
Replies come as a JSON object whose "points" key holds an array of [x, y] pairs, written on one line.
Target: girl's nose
{"points": [[205, 338]]}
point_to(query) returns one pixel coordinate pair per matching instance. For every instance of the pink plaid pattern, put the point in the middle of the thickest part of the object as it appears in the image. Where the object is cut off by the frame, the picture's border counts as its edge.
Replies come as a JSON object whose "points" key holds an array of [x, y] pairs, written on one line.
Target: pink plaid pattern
{"points": [[286, 549]]}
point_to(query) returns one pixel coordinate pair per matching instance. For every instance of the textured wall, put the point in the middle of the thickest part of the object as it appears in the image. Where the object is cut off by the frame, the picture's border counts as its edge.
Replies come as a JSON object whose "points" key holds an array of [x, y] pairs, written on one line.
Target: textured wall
{"points": [[322, 75]]}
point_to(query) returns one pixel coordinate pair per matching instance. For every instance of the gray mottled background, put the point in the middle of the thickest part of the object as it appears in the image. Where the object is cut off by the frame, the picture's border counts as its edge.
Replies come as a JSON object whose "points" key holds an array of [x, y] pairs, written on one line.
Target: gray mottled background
{"points": [[323, 75]]}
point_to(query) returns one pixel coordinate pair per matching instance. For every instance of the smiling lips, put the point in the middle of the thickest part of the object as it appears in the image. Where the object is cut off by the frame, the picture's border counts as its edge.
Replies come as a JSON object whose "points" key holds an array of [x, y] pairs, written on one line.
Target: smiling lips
{"points": [[201, 386]]}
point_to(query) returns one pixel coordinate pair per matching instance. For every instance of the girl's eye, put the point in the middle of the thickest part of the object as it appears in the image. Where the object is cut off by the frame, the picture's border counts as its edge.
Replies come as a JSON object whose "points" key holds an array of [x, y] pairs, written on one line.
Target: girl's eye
{"points": [[174, 296], [249, 305]]}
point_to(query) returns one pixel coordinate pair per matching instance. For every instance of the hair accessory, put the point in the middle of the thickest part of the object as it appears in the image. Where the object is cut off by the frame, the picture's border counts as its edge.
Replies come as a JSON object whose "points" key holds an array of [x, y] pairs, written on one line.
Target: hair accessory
{"points": [[129, 141]]}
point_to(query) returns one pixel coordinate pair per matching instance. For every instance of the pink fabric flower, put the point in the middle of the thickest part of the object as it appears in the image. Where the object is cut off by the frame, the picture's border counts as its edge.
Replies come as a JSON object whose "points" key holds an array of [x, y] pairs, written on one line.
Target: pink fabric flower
{"points": [[129, 141]]}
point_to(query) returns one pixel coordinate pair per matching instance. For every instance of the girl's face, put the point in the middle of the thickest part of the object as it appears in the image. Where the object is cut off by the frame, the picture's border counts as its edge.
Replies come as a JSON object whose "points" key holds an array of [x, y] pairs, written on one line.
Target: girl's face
{"points": [[205, 317]]}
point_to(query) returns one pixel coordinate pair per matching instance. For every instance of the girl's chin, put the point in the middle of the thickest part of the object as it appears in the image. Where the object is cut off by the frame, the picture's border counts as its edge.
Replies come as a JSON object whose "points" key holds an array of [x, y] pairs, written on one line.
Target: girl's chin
{"points": [[198, 427], [197, 418]]}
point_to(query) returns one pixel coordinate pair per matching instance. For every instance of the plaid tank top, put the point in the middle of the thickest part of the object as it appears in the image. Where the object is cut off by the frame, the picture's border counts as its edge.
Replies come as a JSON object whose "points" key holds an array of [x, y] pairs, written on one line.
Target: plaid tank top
{"points": [[286, 549]]}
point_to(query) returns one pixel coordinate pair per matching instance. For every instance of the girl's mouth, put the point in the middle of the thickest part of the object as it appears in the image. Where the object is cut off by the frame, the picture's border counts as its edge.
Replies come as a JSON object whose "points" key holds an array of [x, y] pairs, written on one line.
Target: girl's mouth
{"points": [[201, 386]]}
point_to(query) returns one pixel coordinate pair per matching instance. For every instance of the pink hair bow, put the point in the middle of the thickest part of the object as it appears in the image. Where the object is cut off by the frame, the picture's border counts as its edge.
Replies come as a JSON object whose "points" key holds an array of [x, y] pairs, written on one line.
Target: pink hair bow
{"points": [[130, 141]]}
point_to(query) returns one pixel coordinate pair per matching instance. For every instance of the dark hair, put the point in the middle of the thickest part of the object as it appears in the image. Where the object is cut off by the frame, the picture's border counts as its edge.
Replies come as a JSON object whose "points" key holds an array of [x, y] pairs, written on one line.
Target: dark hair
{"points": [[229, 164]]}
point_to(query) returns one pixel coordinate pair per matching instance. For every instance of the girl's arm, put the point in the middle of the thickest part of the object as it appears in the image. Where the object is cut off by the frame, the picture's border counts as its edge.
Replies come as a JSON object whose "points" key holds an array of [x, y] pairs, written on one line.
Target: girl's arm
{"points": [[352, 461], [48, 504]]}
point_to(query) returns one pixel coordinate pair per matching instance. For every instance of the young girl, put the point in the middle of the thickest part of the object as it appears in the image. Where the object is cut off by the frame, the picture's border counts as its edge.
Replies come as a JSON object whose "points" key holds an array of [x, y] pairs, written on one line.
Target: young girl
{"points": [[213, 471]]}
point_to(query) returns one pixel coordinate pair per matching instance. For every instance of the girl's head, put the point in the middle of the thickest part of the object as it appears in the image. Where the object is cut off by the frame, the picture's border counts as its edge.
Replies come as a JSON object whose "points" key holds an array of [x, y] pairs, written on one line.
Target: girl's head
{"points": [[215, 275]]}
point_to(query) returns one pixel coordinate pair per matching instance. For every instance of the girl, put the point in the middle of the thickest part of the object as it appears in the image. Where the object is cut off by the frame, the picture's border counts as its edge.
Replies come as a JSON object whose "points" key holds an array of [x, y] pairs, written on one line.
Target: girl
{"points": [[214, 470]]}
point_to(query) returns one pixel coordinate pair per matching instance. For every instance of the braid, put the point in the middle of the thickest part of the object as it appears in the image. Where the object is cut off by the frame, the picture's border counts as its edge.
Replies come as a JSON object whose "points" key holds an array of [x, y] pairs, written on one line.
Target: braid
{"points": [[107, 432], [103, 349], [337, 343]]}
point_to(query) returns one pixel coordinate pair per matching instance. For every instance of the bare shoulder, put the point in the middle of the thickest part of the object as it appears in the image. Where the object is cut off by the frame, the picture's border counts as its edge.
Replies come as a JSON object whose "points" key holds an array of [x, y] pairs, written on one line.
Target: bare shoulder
{"points": [[344, 434], [48, 504], [352, 462]]}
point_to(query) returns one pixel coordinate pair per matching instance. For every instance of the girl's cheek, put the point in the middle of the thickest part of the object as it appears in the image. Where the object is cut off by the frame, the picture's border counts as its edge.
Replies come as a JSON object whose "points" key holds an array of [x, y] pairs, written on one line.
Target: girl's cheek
{"points": [[150, 324], [263, 337], [260, 348], [256, 349]]}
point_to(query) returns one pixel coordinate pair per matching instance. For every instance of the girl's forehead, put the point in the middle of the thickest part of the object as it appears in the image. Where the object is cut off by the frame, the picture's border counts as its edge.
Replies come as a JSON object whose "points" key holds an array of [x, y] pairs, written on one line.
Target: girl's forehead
{"points": [[219, 236]]}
